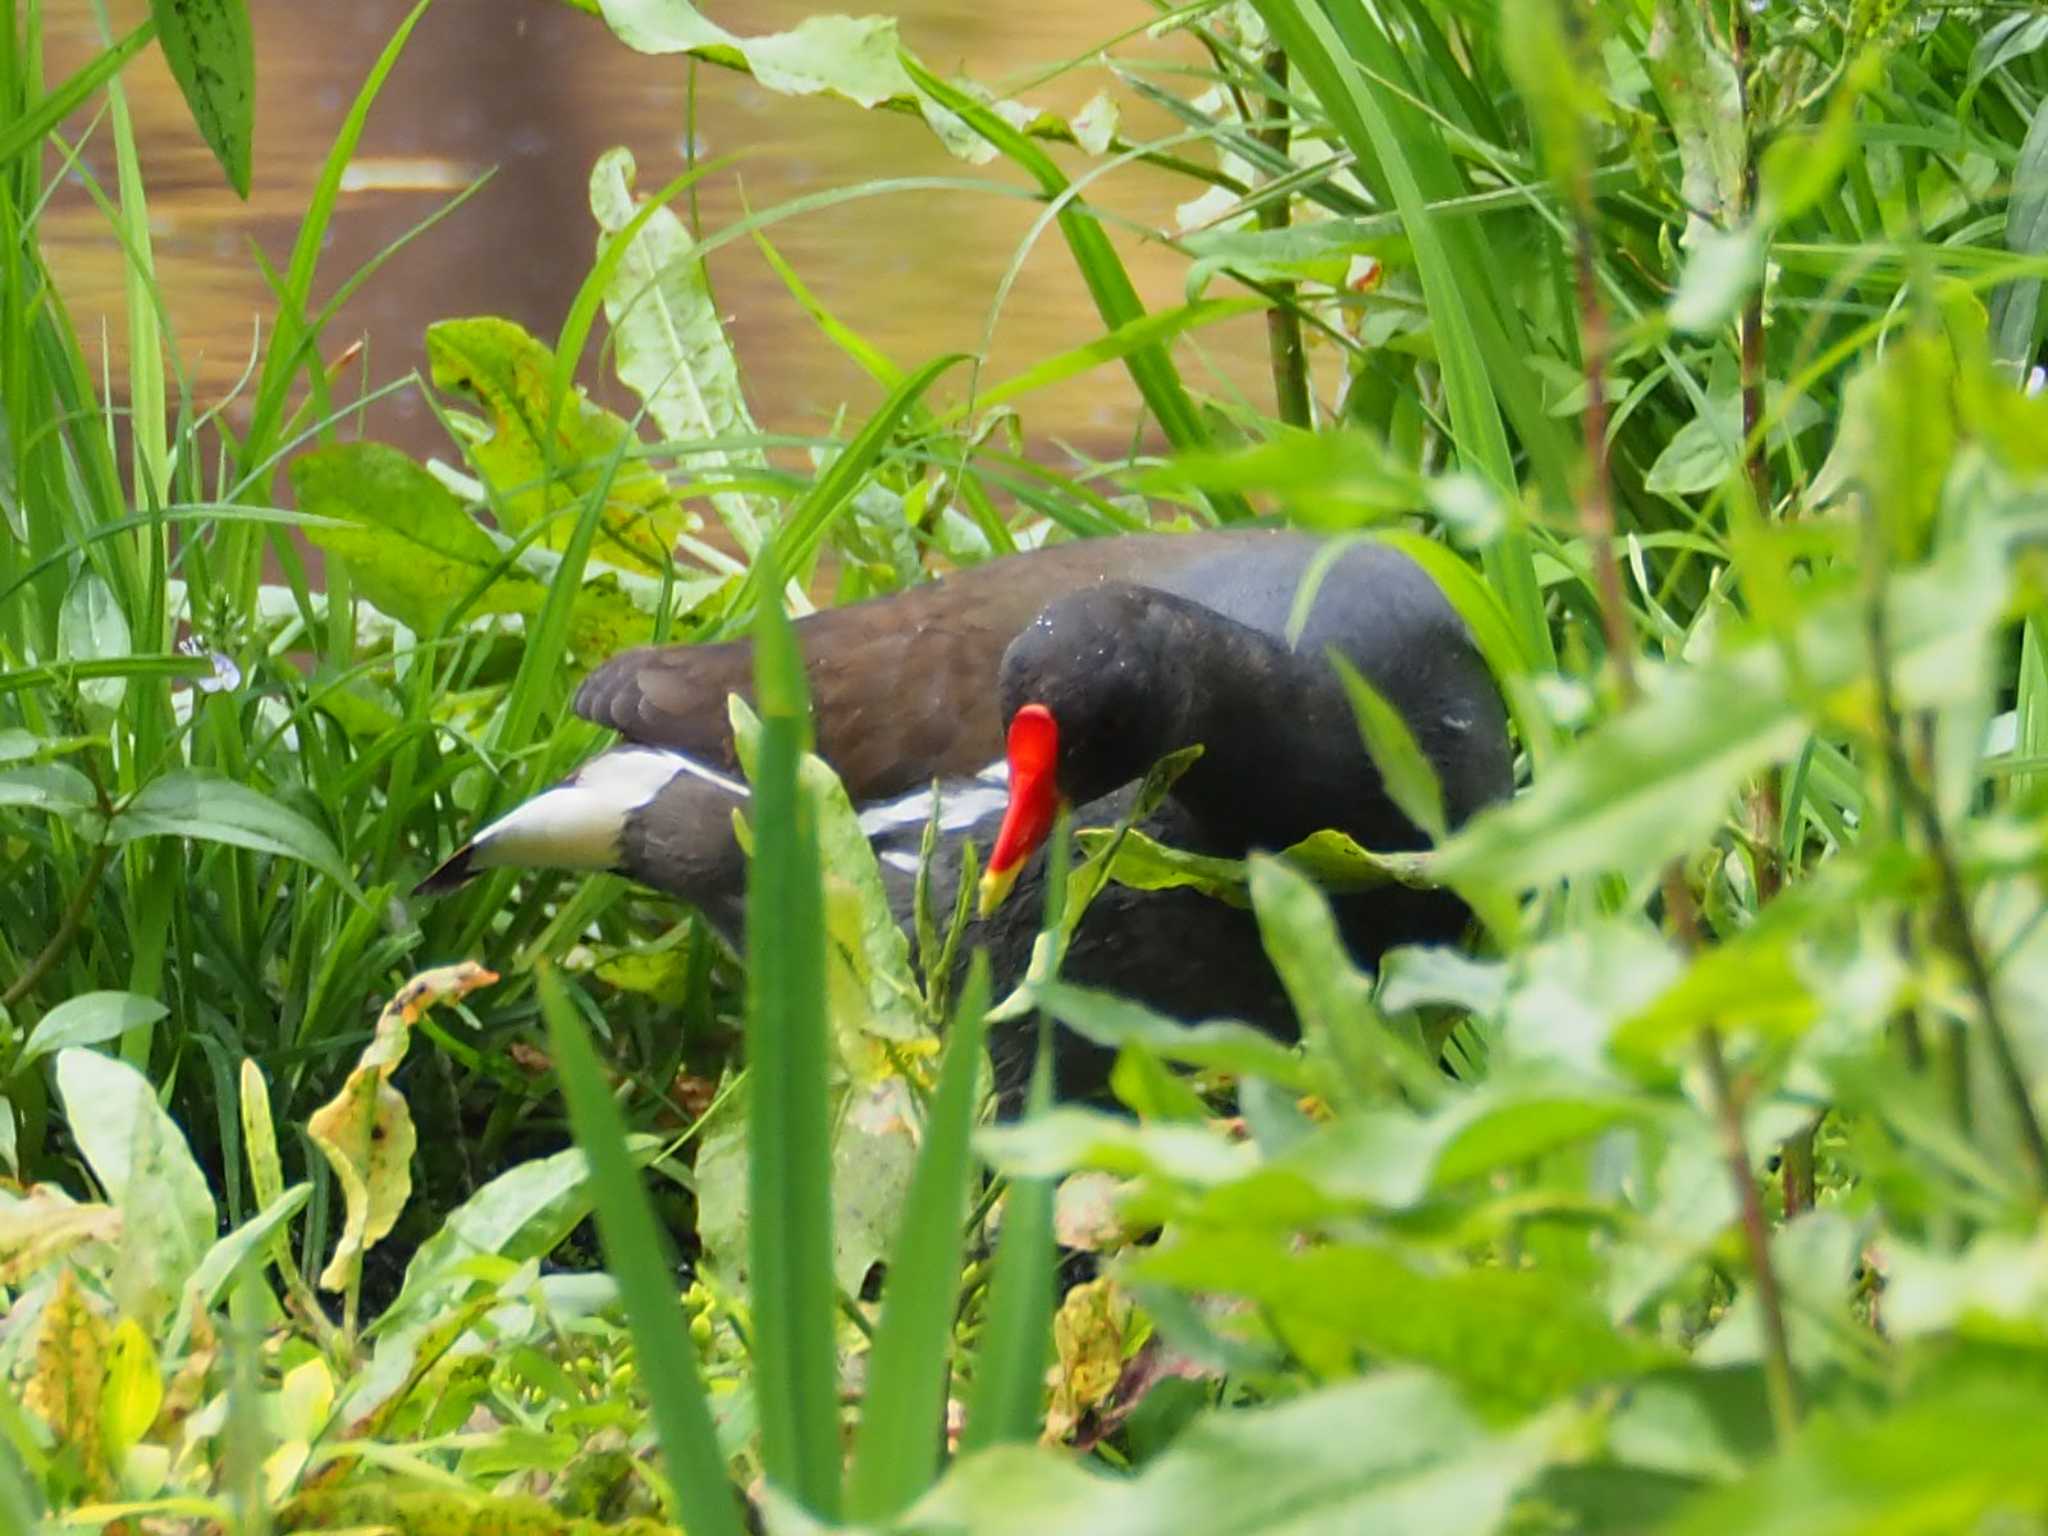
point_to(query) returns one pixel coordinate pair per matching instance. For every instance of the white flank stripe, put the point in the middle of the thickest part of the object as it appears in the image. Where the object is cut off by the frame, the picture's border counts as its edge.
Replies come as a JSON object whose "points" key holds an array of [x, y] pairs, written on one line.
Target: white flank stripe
{"points": [[677, 763], [897, 859], [577, 825], [959, 808]]}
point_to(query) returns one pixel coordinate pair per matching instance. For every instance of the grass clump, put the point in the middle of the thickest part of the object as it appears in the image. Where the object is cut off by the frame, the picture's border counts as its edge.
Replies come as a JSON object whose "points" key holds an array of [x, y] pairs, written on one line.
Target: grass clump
{"points": [[1692, 349]]}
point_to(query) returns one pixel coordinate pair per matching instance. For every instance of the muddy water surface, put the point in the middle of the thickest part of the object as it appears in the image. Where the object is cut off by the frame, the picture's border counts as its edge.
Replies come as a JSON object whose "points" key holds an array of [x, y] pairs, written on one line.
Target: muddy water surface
{"points": [[537, 91]]}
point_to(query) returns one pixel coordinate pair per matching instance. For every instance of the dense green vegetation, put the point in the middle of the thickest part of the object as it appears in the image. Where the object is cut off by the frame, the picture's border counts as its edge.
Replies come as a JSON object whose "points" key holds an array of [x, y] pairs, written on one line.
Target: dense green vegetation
{"points": [[1688, 343]]}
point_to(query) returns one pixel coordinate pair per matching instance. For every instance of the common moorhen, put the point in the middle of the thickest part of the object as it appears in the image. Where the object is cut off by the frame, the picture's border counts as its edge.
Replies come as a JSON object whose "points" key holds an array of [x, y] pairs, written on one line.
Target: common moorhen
{"points": [[1057, 675]]}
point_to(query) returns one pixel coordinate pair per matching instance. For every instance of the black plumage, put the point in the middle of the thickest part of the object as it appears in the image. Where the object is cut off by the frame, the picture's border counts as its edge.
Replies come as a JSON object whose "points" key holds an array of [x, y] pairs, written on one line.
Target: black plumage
{"points": [[1137, 646]]}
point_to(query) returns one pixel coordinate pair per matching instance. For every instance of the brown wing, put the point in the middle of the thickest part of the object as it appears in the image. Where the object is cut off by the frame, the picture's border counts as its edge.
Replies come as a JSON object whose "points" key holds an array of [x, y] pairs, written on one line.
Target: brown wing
{"points": [[903, 688]]}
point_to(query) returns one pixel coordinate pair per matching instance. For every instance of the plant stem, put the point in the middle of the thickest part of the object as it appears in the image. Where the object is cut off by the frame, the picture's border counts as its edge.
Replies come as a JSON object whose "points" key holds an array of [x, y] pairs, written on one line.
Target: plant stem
{"points": [[1767, 807], [1952, 919], [1779, 1386], [1599, 505], [1797, 1165], [67, 928], [1283, 320]]}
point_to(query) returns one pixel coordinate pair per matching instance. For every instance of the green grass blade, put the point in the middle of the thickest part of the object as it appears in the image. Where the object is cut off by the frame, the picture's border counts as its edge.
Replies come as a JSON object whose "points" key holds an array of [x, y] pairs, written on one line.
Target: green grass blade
{"points": [[789, 1152], [833, 491], [293, 339], [1151, 368], [1493, 632], [1009, 1375], [896, 1454], [1456, 290], [637, 1254], [52, 109]]}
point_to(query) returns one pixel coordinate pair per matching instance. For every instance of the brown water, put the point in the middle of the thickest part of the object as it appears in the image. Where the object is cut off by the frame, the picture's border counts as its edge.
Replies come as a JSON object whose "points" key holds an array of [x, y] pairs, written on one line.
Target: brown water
{"points": [[539, 91]]}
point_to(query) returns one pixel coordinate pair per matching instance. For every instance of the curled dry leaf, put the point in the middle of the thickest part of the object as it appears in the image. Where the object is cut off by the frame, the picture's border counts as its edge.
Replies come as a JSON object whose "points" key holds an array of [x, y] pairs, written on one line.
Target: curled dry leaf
{"points": [[366, 1131]]}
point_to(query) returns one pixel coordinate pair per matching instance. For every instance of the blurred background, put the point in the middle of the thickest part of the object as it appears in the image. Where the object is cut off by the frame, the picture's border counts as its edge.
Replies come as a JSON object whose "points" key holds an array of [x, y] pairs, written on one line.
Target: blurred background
{"points": [[537, 91]]}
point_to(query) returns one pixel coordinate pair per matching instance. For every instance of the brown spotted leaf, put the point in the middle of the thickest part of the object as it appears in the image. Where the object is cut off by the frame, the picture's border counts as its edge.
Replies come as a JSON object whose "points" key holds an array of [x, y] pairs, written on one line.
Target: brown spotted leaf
{"points": [[70, 1366], [366, 1131]]}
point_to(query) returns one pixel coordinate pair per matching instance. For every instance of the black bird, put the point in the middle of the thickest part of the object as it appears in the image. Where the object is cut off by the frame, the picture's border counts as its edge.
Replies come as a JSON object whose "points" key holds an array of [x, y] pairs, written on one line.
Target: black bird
{"points": [[1060, 676]]}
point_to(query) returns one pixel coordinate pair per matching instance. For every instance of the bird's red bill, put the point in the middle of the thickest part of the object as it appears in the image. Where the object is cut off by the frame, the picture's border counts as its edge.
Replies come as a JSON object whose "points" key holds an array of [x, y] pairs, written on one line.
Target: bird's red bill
{"points": [[1034, 796]]}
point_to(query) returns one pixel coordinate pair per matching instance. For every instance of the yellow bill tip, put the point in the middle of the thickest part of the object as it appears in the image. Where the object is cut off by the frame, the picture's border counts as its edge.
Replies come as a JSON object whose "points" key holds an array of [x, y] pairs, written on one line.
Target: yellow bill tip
{"points": [[995, 887]]}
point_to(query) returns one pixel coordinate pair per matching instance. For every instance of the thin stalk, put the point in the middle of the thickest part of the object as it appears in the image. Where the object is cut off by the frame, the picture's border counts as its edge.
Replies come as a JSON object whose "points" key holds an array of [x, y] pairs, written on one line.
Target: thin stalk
{"points": [[1779, 1387], [1767, 810], [67, 929], [1798, 1169], [1599, 504], [1283, 319], [1952, 915], [1678, 902]]}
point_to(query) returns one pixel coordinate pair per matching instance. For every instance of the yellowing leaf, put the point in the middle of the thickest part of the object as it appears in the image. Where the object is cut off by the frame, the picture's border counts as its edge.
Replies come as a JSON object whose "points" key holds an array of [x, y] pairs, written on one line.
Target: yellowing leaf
{"points": [[35, 1231], [64, 1391], [366, 1132], [544, 456], [134, 1389], [1088, 1332], [259, 1136]]}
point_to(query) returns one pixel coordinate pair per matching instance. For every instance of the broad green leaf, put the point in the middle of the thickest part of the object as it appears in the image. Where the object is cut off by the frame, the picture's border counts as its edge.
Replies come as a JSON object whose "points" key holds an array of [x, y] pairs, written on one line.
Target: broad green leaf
{"points": [[1750, 985], [1412, 976], [1657, 779], [522, 1214], [1694, 1423], [669, 341], [134, 1389], [411, 547], [1799, 169], [1066, 1140], [1331, 996], [141, 1159], [1219, 1046], [253, 1236], [1410, 781], [1508, 1122], [1996, 1288], [1336, 480], [91, 627], [1399, 1455], [541, 475], [88, 1019], [1515, 1337], [855, 58], [1702, 98], [212, 55], [212, 808], [1144, 864], [1897, 438], [415, 552], [1959, 1456], [1707, 450], [259, 1135], [1720, 272]]}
